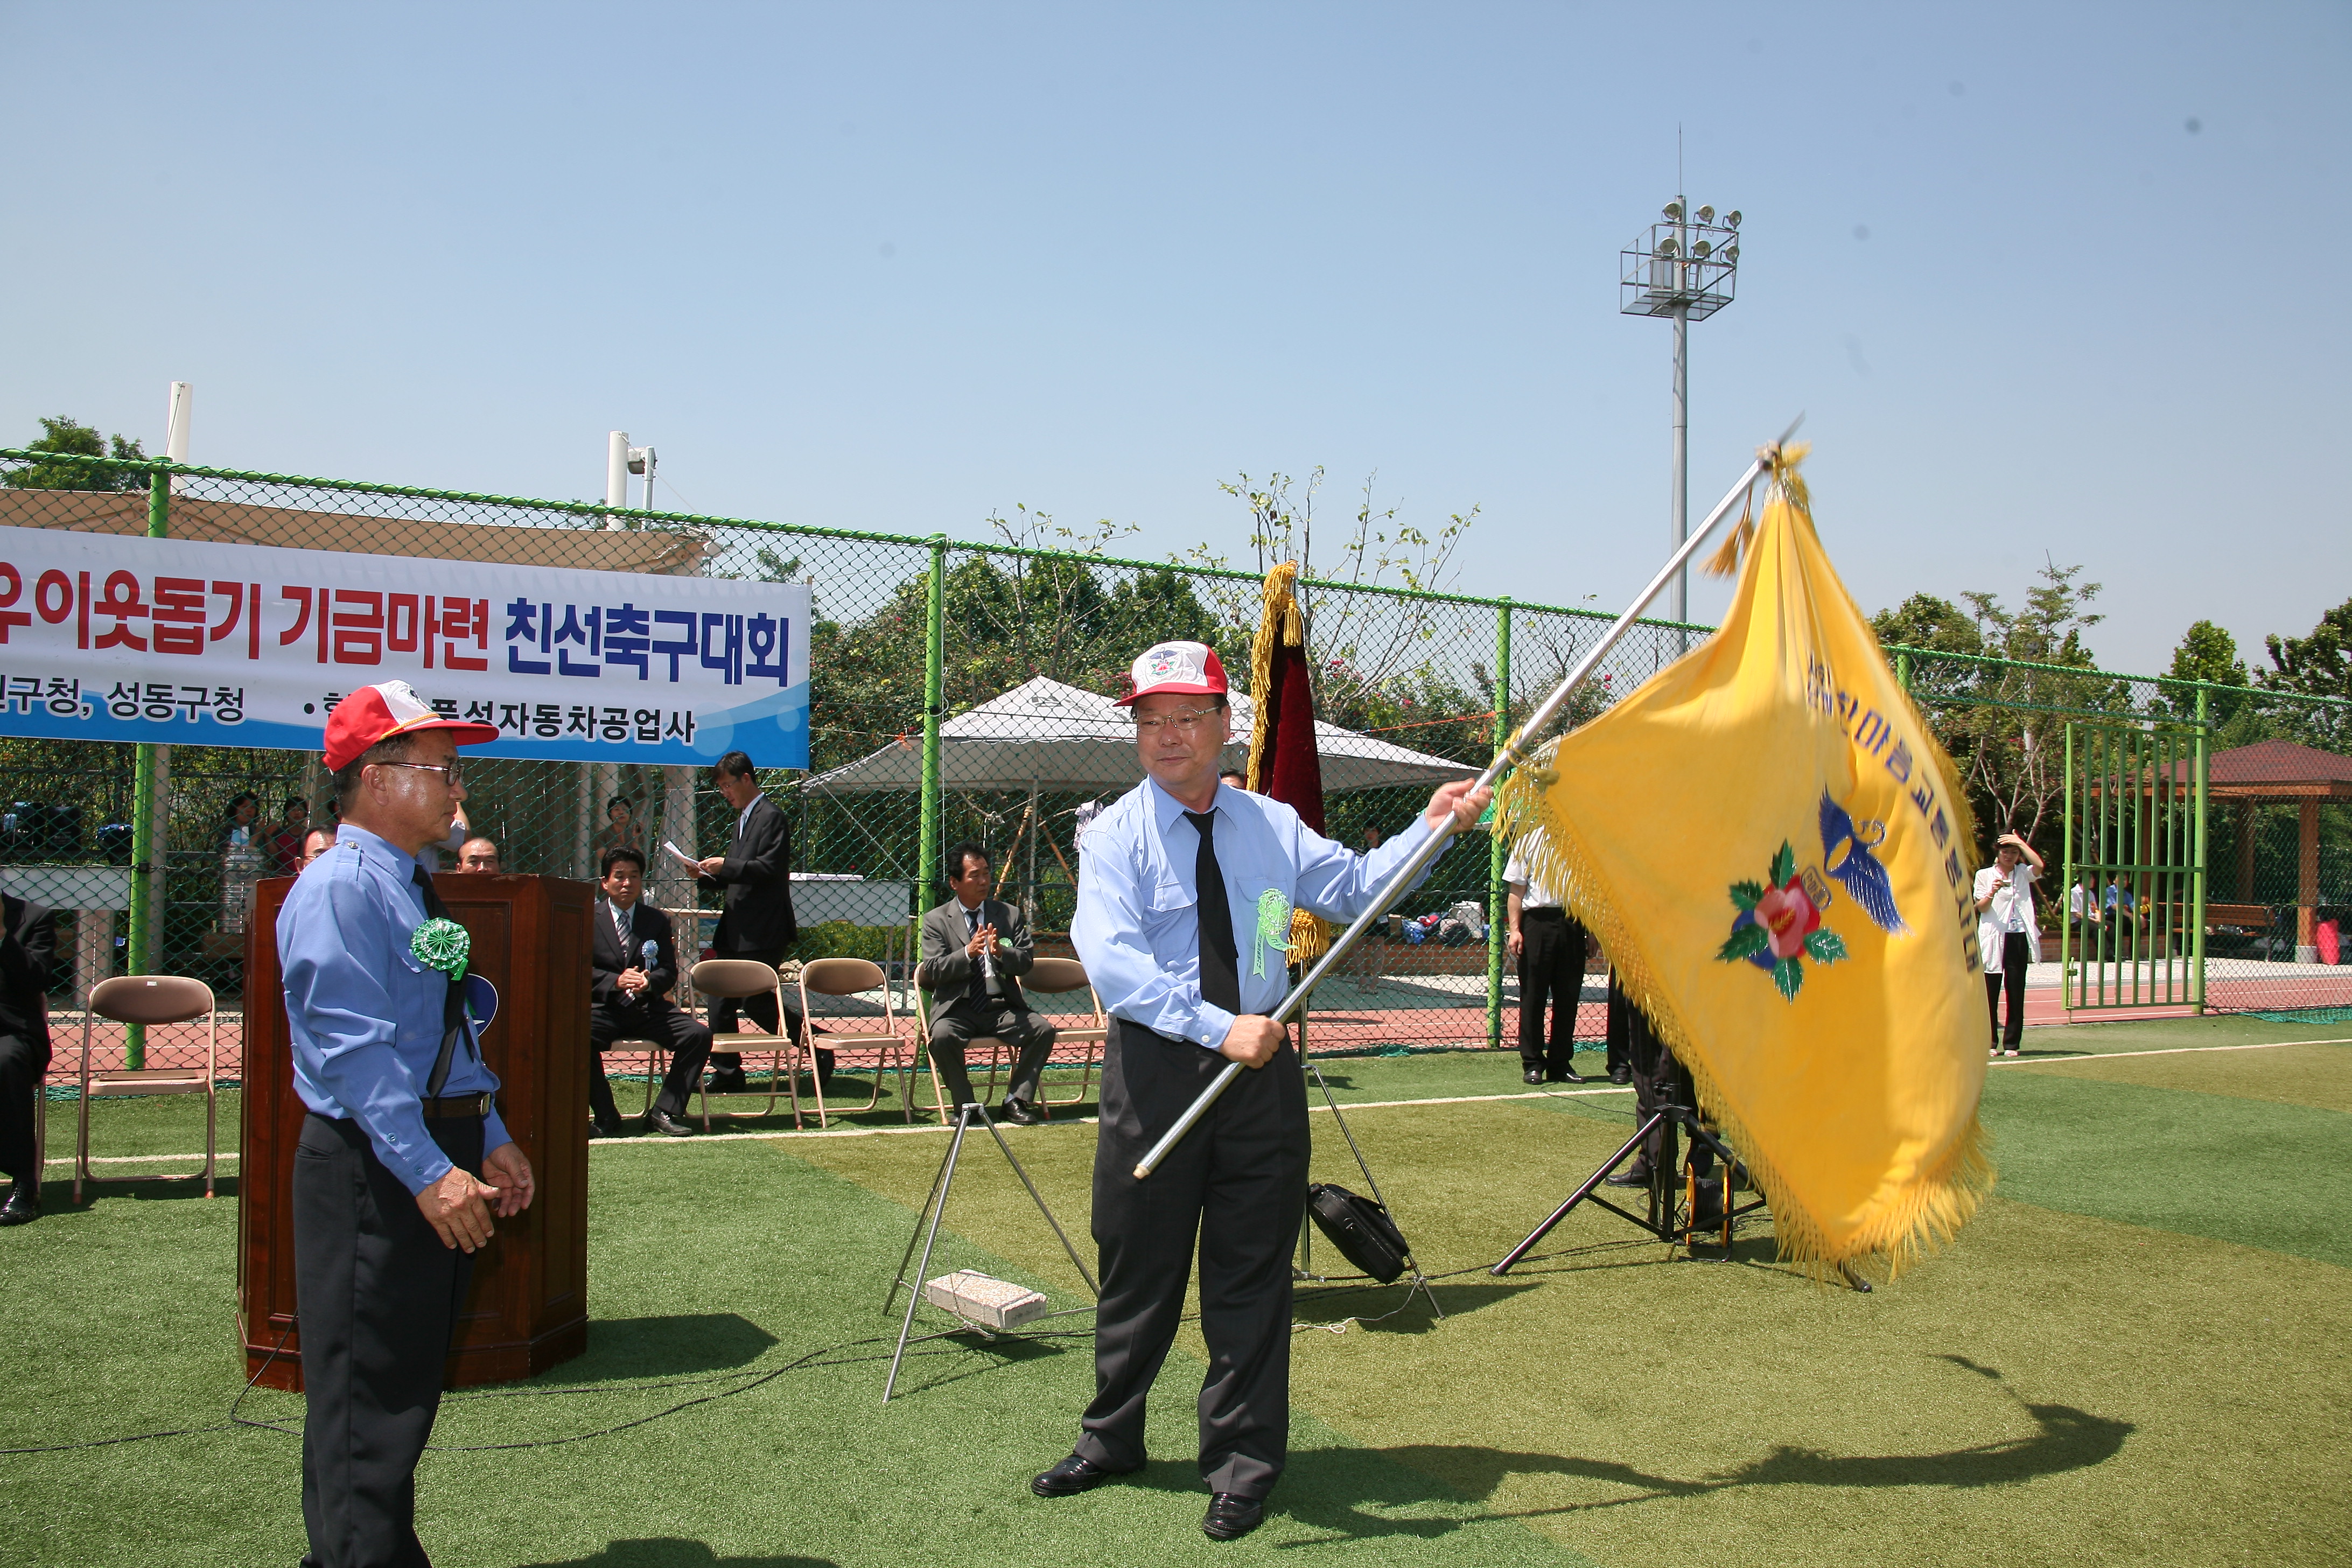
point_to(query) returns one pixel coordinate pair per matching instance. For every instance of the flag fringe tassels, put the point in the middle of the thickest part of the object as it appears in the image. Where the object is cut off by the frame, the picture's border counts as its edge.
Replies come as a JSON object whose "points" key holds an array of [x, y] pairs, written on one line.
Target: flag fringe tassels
{"points": [[1926, 1209], [1280, 626]]}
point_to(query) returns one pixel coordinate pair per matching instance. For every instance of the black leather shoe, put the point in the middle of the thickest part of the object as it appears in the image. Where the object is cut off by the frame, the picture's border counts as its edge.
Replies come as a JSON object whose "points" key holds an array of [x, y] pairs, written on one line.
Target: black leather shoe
{"points": [[616, 1127], [1621, 1076], [1566, 1075], [1231, 1517], [23, 1204], [1532, 1076], [728, 1083], [662, 1122], [1630, 1177], [1071, 1477], [1019, 1112]]}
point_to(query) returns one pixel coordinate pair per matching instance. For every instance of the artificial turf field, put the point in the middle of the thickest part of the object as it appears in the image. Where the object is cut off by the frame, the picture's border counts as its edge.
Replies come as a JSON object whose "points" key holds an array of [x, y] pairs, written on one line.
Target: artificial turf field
{"points": [[2139, 1352]]}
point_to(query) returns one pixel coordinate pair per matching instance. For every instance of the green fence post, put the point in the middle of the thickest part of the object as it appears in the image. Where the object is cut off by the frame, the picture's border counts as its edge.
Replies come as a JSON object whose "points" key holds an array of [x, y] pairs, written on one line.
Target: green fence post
{"points": [[1497, 916], [2066, 931], [2197, 871], [150, 797], [1903, 670], [934, 667]]}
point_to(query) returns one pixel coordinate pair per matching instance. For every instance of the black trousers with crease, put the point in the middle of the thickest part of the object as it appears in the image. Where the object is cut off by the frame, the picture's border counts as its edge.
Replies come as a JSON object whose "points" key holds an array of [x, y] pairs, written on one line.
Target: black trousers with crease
{"points": [[1238, 1181], [1551, 969], [2014, 956], [954, 1029], [687, 1038], [23, 1066], [377, 1296]]}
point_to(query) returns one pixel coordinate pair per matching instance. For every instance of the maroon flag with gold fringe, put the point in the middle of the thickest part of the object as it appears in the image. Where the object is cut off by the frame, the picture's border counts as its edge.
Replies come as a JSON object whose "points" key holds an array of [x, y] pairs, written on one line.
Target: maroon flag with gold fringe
{"points": [[1284, 761]]}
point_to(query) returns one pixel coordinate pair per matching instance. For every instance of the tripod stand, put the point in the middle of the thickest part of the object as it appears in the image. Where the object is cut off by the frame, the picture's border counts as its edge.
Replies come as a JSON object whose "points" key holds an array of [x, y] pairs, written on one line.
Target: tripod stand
{"points": [[927, 1229], [1662, 1220]]}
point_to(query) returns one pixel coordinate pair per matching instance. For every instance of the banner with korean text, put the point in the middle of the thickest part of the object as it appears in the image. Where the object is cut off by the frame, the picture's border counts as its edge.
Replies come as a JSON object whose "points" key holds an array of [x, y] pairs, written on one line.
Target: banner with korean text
{"points": [[186, 642]]}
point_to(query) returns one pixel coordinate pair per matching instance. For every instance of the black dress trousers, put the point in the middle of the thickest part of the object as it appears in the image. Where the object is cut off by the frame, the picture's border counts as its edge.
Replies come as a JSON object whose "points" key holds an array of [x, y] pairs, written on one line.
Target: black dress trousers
{"points": [[24, 1069], [377, 1296], [1659, 1079], [684, 1037], [1238, 1180], [1551, 970]]}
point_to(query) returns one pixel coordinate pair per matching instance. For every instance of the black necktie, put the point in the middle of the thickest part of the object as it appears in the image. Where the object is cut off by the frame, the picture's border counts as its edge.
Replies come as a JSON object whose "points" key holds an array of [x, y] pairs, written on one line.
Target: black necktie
{"points": [[453, 1004], [1220, 973]]}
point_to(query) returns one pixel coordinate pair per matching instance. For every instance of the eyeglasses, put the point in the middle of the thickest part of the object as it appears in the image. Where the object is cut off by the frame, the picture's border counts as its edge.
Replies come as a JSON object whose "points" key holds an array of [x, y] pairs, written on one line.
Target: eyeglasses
{"points": [[1186, 720], [451, 776]]}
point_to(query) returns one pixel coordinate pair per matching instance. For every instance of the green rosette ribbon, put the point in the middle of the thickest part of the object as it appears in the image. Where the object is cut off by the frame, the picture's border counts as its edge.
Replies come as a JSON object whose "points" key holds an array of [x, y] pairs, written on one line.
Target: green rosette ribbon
{"points": [[443, 944], [1273, 928]]}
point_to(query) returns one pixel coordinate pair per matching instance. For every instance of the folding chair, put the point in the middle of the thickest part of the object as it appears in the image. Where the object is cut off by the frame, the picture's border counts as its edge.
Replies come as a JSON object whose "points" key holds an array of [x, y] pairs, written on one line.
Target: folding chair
{"points": [[850, 977], [151, 999], [1052, 976], [735, 979]]}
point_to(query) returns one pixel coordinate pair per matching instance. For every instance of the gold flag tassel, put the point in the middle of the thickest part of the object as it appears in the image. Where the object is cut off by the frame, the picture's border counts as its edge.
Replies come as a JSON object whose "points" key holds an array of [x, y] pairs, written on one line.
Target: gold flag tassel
{"points": [[1279, 618]]}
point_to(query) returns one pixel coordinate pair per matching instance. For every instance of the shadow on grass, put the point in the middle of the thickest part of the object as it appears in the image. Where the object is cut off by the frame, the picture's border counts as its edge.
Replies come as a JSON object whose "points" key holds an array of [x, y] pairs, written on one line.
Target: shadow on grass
{"points": [[1370, 1304], [57, 1192], [668, 1346], [669, 1551], [2065, 1438]]}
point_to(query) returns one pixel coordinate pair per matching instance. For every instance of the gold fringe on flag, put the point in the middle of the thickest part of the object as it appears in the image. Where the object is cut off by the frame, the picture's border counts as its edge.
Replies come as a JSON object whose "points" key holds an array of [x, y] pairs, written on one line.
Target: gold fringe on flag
{"points": [[1278, 618], [1829, 1010]]}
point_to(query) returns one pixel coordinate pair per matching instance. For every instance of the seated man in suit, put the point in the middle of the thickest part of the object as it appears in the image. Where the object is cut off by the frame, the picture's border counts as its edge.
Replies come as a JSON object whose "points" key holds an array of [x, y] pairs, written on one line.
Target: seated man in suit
{"points": [[975, 947], [635, 964], [28, 944]]}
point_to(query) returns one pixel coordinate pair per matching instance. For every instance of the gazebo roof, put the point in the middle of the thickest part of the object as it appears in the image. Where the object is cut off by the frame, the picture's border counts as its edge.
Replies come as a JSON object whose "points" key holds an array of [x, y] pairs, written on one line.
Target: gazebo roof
{"points": [[2275, 770]]}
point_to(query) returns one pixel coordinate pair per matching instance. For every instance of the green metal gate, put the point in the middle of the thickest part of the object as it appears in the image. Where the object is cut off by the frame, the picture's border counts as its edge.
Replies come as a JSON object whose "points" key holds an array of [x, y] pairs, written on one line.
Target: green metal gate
{"points": [[2133, 901]]}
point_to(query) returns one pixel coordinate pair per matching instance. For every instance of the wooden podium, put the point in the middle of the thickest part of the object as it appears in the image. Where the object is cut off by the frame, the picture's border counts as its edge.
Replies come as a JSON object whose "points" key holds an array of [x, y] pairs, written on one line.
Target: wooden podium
{"points": [[528, 1307]]}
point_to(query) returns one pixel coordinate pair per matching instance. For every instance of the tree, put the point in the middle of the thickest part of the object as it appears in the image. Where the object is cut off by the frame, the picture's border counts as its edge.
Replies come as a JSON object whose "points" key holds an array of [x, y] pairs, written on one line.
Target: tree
{"points": [[2208, 655], [2319, 664], [2000, 723], [70, 436]]}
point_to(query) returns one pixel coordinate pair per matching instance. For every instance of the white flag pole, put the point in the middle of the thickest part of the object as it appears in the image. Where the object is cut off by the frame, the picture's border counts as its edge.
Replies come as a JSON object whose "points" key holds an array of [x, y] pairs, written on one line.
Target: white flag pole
{"points": [[1508, 756]]}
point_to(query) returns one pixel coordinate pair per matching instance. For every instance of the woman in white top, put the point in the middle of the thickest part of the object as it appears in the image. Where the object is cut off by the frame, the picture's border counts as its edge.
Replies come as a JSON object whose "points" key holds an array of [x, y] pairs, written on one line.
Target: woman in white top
{"points": [[2007, 934]]}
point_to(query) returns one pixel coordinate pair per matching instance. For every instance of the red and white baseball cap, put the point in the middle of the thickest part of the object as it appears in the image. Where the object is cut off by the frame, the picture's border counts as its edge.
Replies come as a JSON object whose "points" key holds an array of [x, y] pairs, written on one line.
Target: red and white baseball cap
{"points": [[1188, 668], [391, 708]]}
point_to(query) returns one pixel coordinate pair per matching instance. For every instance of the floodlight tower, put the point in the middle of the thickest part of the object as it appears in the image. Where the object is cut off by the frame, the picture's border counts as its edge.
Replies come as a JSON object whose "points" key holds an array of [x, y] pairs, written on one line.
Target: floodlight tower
{"points": [[1684, 269]]}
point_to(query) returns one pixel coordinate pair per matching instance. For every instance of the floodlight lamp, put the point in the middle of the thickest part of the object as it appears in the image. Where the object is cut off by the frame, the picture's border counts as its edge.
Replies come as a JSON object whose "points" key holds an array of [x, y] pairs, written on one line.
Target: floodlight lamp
{"points": [[1731, 254], [1707, 214], [1668, 248], [1674, 211], [1701, 249], [1731, 218]]}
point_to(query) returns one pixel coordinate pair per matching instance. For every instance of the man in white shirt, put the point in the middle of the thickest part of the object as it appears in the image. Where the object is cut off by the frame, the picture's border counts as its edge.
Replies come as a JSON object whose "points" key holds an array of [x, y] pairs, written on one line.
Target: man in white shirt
{"points": [[2007, 934], [1549, 947]]}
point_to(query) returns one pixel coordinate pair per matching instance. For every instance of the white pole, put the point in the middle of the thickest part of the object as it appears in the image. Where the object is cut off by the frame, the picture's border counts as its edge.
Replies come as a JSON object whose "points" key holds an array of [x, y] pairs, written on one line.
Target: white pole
{"points": [[1401, 881], [175, 424], [650, 461], [617, 473]]}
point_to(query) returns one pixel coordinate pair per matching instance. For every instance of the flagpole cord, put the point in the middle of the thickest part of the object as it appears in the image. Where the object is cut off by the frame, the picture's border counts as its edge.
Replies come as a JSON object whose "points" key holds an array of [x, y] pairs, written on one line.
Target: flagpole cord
{"points": [[1508, 756]]}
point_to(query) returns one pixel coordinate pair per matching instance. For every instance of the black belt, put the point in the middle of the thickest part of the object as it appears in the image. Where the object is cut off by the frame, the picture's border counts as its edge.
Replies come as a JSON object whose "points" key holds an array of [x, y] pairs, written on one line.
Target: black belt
{"points": [[442, 1107], [1543, 911]]}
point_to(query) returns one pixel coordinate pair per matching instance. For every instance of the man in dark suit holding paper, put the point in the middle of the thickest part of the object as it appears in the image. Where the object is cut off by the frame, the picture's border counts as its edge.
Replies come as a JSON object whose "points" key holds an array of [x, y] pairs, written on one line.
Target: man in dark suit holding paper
{"points": [[633, 964], [757, 921]]}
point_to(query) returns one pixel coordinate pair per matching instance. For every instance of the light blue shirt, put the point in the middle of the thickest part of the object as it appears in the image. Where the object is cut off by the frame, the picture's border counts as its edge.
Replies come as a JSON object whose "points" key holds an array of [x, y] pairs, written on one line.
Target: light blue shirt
{"points": [[1137, 930], [363, 1012]]}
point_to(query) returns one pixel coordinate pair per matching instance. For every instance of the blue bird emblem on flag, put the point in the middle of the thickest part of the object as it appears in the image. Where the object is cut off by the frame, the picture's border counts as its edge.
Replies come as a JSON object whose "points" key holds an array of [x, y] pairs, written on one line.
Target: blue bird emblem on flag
{"points": [[1846, 856]]}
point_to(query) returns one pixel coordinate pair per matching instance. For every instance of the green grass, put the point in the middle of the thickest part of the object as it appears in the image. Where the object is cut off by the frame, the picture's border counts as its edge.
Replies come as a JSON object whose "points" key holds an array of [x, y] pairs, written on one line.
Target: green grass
{"points": [[2134, 1355]]}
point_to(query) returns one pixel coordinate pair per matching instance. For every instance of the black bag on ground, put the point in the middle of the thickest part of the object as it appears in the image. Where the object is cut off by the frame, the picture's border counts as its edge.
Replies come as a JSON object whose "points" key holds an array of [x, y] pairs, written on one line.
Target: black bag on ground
{"points": [[1360, 1230]]}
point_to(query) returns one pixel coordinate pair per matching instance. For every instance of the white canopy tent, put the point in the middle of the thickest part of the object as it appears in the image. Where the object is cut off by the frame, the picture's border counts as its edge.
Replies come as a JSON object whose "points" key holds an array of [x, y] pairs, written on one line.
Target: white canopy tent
{"points": [[1045, 735]]}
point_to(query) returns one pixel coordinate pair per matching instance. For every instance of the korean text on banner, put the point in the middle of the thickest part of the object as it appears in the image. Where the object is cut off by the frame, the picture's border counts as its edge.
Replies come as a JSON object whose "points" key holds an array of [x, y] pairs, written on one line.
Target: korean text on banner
{"points": [[104, 638]]}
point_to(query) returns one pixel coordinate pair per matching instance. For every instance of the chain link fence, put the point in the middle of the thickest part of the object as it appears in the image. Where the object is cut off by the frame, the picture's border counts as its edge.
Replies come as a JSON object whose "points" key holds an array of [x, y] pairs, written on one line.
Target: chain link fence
{"points": [[1020, 654]]}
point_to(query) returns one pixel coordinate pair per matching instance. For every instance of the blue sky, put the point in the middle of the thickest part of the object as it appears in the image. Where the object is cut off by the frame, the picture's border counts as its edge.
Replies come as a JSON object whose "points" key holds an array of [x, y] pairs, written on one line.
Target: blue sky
{"points": [[2065, 280]]}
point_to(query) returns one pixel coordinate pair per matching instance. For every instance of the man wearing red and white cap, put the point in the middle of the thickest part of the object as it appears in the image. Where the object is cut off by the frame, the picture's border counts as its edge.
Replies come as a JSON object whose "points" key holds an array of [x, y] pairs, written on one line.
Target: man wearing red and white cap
{"points": [[404, 1160], [1183, 921]]}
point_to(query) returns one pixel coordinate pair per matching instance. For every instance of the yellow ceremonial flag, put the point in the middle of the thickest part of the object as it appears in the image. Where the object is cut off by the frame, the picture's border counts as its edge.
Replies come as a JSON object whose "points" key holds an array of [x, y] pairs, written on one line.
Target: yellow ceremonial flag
{"points": [[1778, 859]]}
